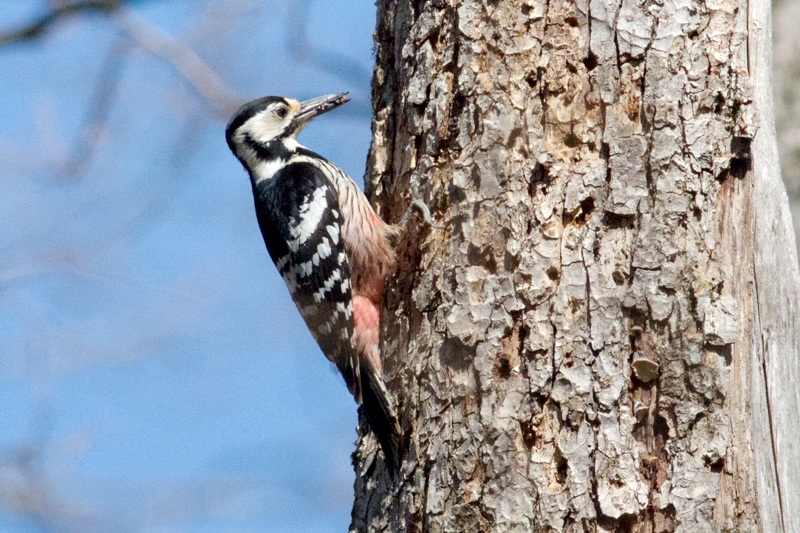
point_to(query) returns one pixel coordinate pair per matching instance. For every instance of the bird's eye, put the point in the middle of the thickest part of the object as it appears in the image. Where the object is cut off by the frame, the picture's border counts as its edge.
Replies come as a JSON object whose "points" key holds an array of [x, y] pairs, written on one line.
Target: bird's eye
{"points": [[282, 112]]}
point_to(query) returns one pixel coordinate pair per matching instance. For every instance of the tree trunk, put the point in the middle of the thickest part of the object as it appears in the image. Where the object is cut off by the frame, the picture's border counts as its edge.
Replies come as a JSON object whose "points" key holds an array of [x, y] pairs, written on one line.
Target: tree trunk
{"points": [[603, 338]]}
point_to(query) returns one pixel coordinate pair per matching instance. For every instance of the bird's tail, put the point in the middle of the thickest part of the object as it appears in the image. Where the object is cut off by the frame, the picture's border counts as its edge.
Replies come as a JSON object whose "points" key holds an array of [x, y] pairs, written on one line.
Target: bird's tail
{"points": [[380, 415]]}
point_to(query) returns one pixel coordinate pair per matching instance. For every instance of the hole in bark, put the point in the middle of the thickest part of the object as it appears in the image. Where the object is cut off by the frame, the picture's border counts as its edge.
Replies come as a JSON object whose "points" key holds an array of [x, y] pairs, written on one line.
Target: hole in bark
{"points": [[504, 368], [459, 103], [524, 331], [660, 427], [553, 273], [587, 207], [740, 163], [590, 62], [571, 21], [618, 276], [532, 81], [539, 175], [528, 433], [739, 167], [571, 140], [561, 468], [617, 221], [526, 10], [692, 34], [510, 262], [723, 352], [715, 466], [719, 102], [419, 143], [605, 151], [740, 147]]}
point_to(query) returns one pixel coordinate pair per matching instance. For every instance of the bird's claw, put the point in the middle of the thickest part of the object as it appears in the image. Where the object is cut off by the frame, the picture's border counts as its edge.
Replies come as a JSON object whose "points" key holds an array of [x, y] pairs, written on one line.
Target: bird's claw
{"points": [[424, 211]]}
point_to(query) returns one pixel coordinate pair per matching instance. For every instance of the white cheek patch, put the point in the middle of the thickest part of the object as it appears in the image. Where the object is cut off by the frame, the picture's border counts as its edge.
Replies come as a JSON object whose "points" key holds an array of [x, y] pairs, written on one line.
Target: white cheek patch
{"points": [[264, 127]]}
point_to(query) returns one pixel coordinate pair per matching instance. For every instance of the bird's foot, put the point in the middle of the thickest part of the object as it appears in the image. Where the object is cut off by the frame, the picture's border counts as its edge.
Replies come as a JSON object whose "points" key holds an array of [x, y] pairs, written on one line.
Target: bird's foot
{"points": [[419, 205], [423, 209]]}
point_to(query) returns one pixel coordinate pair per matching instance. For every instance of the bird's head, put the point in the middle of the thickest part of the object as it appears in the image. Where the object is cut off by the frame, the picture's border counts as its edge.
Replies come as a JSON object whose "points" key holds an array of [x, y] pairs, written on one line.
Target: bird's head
{"points": [[257, 125]]}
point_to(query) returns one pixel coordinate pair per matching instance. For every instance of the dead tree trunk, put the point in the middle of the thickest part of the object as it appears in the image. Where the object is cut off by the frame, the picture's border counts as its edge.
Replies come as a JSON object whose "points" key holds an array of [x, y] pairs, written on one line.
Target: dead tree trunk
{"points": [[605, 336]]}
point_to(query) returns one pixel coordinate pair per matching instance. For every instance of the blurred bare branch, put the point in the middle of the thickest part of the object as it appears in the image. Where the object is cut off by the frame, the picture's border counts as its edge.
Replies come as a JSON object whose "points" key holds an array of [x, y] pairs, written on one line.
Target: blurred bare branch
{"points": [[105, 93], [41, 26], [185, 61]]}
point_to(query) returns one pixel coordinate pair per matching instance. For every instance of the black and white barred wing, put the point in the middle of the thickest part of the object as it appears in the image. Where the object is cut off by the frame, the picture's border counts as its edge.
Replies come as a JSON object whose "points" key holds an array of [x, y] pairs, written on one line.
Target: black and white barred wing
{"points": [[301, 224]]}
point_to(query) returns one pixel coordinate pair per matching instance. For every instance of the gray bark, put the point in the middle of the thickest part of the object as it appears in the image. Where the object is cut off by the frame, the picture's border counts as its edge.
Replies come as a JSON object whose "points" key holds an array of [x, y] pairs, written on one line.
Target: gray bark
{"points": [[595, 341]]}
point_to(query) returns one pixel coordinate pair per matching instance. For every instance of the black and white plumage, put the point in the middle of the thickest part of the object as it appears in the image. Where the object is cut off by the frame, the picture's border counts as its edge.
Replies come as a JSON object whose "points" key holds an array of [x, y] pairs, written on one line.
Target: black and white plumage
{"points": [[332, 250]]}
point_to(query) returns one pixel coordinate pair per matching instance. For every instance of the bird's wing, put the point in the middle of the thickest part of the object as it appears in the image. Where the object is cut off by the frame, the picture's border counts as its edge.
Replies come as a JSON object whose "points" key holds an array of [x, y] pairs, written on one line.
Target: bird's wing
{"points": [[301, 223]]}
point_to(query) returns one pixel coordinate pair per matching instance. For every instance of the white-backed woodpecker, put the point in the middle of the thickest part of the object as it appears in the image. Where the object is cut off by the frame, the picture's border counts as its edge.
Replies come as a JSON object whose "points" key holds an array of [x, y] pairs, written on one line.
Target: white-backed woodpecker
{"points": [[329, 245]]}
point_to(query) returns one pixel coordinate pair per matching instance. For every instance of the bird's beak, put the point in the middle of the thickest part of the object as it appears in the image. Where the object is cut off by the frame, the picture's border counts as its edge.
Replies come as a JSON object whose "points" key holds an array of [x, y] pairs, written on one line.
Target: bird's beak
{"points": [[317, 106]]}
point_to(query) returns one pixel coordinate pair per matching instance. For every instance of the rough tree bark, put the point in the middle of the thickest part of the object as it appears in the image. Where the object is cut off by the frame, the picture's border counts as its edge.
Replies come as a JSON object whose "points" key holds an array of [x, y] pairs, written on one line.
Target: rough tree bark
{"points": [[604, 338]]}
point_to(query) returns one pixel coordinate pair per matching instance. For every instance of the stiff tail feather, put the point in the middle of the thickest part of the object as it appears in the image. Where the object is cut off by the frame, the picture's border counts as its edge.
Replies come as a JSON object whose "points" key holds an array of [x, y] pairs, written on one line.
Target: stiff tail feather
{"points": [[380, 415]]}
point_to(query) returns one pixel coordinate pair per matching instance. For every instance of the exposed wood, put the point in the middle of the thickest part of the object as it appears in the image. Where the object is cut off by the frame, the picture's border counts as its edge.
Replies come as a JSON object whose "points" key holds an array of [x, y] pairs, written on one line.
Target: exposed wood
{"points": [[778, 298]]}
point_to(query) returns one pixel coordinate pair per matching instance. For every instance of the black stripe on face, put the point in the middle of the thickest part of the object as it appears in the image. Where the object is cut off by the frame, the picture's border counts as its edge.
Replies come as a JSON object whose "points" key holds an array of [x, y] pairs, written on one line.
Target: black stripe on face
{"points": [[268, 151]]}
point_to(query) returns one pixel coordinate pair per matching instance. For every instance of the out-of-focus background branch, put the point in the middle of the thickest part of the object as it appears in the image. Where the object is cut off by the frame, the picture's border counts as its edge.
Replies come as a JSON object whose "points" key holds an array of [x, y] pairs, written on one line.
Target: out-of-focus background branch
{"points": [[154, 374], [786, 67], [57, 12]]}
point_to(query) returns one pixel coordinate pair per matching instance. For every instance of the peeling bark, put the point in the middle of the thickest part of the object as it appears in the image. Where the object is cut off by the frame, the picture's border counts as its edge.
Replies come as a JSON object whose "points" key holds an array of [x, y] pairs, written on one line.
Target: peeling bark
{"points": [[582, 348]]}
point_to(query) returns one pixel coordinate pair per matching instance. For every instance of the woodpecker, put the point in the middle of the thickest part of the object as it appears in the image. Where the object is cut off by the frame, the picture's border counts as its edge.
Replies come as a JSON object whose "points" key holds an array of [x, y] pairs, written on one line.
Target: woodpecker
{"points": [[328, 244]]}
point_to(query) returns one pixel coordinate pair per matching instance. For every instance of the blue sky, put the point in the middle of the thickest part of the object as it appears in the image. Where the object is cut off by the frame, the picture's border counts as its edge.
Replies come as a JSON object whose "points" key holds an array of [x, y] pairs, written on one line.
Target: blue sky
{"points": [[154, 375]]}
